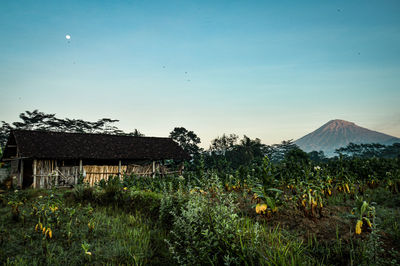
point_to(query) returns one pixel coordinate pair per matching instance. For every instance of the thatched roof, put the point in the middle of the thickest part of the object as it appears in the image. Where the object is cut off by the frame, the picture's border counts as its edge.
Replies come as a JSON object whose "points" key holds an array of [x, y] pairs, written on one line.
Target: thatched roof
{"points": [[59, 145]]}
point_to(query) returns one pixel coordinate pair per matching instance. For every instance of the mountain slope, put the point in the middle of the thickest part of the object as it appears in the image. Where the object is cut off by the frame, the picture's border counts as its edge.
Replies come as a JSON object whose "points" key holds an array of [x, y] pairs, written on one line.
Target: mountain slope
{"points": [[338, 133]]}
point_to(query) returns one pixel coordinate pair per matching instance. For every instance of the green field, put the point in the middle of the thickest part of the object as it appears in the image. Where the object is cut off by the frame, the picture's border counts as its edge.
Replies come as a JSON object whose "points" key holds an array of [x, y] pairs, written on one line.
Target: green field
{"points": [[334, 213]]}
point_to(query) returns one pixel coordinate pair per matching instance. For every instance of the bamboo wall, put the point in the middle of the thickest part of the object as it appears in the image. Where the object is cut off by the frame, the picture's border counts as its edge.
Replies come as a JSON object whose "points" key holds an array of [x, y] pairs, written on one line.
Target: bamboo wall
{"points": [[48, 174], [95, 173]]}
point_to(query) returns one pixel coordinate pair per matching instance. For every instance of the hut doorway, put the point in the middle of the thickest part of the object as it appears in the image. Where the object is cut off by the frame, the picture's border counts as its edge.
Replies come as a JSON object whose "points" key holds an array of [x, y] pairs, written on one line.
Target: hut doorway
{"points": [[27, 179]]}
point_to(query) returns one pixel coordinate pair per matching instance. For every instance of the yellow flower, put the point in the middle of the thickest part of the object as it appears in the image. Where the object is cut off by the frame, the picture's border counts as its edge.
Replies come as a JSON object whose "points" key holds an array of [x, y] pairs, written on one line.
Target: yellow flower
{"points": [[88, 253], [261, 208], [347, 187], [36, 227], [44, 230], [304, 202], [50, 233], [358, 227], [125, 188], [329, 192]]}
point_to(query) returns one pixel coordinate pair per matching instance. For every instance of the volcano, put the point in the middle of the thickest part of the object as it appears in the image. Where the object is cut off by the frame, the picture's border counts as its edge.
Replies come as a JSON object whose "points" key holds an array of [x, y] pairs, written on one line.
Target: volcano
{"points": [[338, 133]]}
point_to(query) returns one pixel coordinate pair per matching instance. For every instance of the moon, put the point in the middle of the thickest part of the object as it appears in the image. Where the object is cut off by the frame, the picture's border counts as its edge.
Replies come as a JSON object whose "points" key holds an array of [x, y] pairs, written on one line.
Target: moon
{"points": [[67, 36]]}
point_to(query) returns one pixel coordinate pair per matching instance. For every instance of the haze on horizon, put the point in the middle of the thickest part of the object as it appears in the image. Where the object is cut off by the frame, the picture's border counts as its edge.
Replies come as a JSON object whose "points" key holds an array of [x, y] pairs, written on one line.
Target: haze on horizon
{"points": [[270, 70]]}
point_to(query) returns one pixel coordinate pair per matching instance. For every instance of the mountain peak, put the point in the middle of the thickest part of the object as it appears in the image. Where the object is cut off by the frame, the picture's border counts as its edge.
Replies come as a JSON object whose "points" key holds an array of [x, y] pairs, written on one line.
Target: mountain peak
{"points": [[337, 124], [340, 122], [339, 133]]}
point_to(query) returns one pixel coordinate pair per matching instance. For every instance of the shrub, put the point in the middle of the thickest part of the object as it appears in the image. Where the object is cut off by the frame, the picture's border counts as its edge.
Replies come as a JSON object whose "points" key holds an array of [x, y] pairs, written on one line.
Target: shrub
{"points": [[207, 232], [82, 192], [171, 204], [145, 202], [113, 188]]}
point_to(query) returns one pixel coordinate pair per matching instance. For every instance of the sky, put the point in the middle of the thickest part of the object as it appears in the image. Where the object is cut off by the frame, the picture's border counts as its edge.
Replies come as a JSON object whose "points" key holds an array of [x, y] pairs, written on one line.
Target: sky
{"points": [[275, 70]]}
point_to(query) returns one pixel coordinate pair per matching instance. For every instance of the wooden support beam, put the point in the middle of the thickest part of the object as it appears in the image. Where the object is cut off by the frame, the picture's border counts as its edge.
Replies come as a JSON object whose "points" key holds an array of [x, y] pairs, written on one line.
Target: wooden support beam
{"points": [[154, 169], [119, 168], [181, 167], [56, 167], [80, 171], [34, 173], [21, 174]]}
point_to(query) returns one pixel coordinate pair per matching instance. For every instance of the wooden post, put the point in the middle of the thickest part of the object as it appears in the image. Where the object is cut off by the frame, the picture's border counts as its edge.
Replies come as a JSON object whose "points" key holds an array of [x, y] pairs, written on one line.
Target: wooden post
{"points": [[181, 168], [119, 169], [56, 181], [34, 173], [21, 174], [80, 171], [154, 169]]}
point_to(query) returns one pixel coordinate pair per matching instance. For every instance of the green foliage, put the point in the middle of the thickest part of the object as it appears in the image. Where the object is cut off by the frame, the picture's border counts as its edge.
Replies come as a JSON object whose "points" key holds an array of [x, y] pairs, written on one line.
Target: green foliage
{"points": [[212, 233], [370, 150], [188, 140], [79, 234], [145, 202], [171, 206], [260, 213]]}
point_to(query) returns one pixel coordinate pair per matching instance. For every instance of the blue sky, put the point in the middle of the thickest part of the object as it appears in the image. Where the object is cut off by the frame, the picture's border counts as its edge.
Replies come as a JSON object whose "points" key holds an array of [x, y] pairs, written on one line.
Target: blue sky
{"points": [[271, 70]]}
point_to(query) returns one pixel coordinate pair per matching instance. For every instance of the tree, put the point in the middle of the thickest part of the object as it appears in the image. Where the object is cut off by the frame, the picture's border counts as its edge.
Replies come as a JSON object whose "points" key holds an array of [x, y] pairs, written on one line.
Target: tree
{"points": [[277, 152], [317, 156], [221, 145], [363, 150], [245, 152], [188, 140], [296, 155]]}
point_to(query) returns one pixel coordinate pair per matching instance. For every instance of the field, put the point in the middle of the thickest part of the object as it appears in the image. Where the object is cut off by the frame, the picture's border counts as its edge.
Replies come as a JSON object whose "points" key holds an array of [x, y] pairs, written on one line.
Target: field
{"points": [[341, 212]]}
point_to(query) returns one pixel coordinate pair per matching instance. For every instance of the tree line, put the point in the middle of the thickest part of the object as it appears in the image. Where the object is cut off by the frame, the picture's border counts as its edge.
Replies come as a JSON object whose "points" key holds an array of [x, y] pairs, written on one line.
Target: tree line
{"points": [[224, 151]]}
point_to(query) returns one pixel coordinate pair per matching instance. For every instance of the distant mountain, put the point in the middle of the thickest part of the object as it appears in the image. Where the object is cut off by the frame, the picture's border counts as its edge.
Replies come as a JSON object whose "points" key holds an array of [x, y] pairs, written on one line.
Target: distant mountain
{"points": [[338, 133]]}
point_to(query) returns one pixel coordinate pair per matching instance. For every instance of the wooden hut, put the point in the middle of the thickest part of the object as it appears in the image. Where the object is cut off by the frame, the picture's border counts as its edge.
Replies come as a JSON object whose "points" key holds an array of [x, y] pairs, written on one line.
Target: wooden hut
{"points": [[44, 159]]}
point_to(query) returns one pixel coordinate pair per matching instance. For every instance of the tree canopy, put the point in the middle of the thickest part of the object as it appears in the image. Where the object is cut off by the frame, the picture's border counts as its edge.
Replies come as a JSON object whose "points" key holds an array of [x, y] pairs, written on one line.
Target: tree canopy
{"points": [[188, 140]]}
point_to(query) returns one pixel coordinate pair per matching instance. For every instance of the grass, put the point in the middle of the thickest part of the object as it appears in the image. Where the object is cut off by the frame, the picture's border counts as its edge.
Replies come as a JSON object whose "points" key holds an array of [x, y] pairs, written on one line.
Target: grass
{"points": [[173, 223], [116, 237]]}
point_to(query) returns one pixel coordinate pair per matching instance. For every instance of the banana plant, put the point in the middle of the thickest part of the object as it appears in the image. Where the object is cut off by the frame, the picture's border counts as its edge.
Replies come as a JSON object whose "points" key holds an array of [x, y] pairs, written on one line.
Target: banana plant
{"points": [[364, 212], [270, 196]]}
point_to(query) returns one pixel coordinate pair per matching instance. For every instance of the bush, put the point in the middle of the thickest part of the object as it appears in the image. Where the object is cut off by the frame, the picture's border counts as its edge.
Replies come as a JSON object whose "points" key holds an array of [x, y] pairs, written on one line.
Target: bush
{"points": [[171, 204], [207, 232], [145, 202], [81, 192], [113, 189]]}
